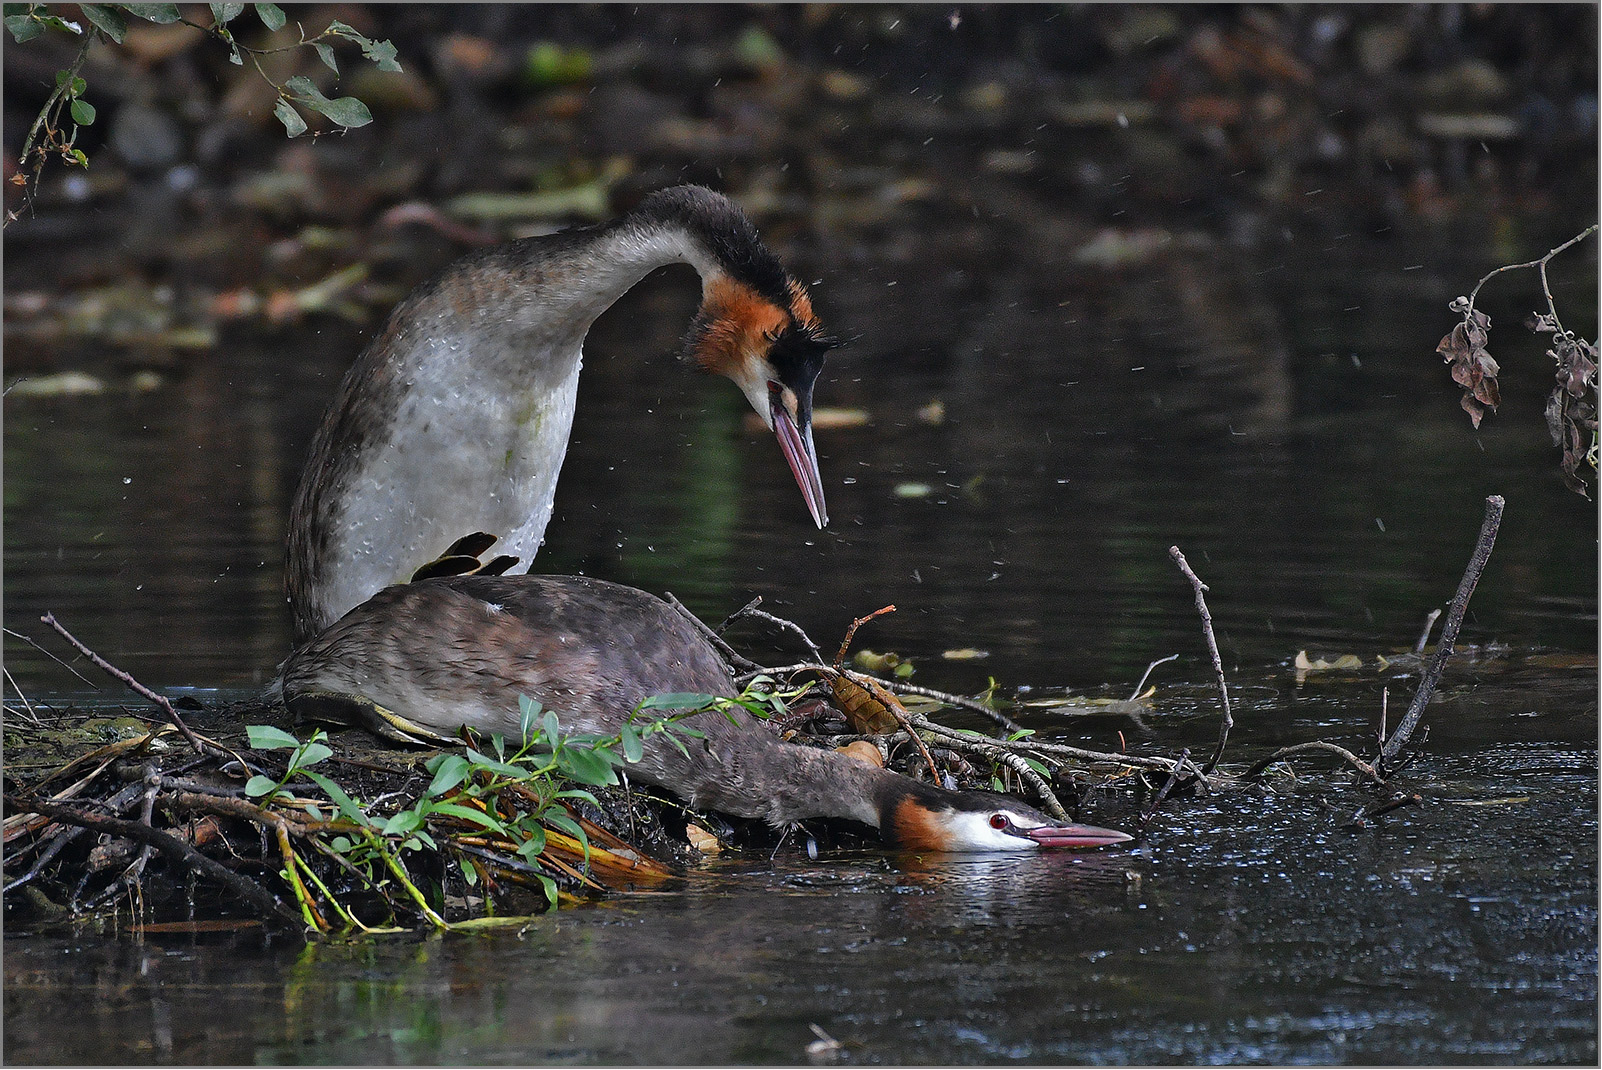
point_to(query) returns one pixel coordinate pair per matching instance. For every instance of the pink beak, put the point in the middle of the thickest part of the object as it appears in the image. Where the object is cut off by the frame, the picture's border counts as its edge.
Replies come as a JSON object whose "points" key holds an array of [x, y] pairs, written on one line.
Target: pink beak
{"points": [[1075, 836], [797, 447]]}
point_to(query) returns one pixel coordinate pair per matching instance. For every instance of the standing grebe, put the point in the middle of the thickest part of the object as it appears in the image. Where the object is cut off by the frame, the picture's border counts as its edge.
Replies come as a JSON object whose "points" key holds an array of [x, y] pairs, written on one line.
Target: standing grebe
{"points": [[421, 660], [456, 418]]}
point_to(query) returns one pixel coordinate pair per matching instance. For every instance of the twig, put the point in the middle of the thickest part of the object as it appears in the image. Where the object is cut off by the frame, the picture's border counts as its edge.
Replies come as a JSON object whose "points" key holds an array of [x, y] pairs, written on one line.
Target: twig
{"points": [[1541, 263], [51, 655], [1133, 695], [851, 632], [737, 614], [1385, 710], [1212, 648], [1168, 786], [150, 784], [1424, 636], [134, 685], [899, 687], [167, 844], [1317, 744], [48, 115], [33, 717], [1395, 802], [1449, 630], [750, 610], [972, 705], [739, 661]]}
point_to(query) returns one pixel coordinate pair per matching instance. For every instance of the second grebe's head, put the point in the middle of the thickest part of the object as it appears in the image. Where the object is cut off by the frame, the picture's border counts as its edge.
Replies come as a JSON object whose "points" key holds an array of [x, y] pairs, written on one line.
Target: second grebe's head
{"points": [[755, 325], [930, 819]]}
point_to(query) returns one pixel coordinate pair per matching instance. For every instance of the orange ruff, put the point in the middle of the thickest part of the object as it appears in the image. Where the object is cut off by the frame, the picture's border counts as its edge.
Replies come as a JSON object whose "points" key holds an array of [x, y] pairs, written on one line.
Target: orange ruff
{"points": [[738, 324]]}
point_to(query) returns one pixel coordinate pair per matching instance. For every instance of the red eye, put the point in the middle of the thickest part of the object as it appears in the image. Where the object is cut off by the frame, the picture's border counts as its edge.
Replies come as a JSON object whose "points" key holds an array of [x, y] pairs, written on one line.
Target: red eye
{"points": [[999, 821]]}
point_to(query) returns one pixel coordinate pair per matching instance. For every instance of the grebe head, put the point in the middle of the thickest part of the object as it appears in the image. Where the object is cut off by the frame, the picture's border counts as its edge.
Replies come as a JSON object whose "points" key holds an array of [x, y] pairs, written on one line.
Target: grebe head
{"points": [[755, 326], [920, 817]]}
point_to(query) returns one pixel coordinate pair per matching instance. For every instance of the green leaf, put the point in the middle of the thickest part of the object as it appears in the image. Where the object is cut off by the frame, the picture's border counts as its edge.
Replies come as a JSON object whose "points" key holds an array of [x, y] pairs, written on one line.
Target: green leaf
{"points": [[578, 793], [569, 826], [271, 15], [315, 811], [1036, 766], [467, 813], [382, 53], [586, 767], [403, 822], [161, 14], [549, 886], [107, 19], [294, 125], [311, 755], [678, 700], [342, 29], [528, 712], [60, 24], [469, 874], [258, 785], [449, 773], [346, 111], [326, 54], [686, 730], [551, 727], [24, 27], [531, 848], [79, 158], [340, 844], [347, 806], [223, 14], [484, 761], [633, 748], [304, 88], [266, 737]]}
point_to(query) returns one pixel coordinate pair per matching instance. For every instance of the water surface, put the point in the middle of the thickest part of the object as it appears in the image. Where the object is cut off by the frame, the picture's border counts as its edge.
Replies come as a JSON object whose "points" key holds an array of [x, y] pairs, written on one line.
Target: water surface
{"points": [[1279, 413]]}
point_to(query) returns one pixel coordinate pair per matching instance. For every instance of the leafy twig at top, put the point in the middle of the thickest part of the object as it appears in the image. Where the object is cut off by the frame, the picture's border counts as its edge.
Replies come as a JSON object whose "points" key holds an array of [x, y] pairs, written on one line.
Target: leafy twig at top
{"points": [[46, 137]]}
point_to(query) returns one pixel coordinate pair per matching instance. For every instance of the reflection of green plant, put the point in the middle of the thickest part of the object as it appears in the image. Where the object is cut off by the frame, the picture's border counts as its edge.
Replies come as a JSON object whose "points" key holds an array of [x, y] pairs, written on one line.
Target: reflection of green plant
{"points": [[491, 802], [46, 137]]}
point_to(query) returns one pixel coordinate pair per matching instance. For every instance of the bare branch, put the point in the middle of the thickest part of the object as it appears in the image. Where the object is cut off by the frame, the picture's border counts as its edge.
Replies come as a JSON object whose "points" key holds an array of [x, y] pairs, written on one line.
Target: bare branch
{"points": [[134, 685], [1449, 630], [1212, 648]]}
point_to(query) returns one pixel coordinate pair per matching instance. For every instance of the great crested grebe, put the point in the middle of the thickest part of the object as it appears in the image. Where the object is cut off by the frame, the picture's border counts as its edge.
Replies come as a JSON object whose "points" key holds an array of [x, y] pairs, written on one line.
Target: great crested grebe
{"points": [[456, 418], [422, 659]]}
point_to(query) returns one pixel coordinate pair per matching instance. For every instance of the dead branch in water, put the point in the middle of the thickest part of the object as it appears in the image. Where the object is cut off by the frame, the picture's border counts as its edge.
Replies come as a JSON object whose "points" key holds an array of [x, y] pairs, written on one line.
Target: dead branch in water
{"points": [[1212, 648], [1449, 630], [171, 846], [133, 685], [1357, 763]]}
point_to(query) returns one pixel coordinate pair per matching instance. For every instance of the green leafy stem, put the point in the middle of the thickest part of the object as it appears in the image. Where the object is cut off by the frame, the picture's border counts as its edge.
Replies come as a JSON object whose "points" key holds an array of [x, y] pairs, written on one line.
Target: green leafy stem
{"points": [[512, 794], [46, 137]]}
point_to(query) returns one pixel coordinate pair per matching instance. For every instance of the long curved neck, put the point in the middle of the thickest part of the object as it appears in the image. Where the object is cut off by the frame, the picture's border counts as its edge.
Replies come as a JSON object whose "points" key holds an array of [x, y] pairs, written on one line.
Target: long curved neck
{"points": [[526, 308], [456, 418]]}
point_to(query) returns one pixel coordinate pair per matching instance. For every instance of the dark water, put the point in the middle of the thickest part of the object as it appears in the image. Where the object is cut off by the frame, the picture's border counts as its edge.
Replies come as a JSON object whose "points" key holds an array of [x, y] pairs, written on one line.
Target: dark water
{"points": [[1278, 412]]}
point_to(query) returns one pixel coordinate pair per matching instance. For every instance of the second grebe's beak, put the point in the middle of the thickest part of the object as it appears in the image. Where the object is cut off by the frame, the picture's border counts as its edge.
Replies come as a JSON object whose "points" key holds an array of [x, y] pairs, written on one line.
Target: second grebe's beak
{"points": [[1073, 836], [796, 442]]}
